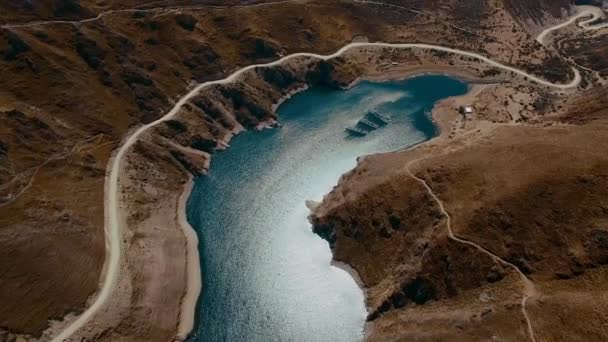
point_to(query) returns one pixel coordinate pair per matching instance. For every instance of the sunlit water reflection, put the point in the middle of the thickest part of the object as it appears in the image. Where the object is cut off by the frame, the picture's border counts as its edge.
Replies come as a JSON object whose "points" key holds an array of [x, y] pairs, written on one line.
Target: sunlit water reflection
{"points": [[267, 277]]}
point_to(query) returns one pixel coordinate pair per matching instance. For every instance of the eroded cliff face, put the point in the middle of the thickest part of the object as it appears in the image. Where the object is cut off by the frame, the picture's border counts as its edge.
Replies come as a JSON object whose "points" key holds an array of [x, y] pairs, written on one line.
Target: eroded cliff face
{"points": [[535, 196], [207, 123], [394, 236]]}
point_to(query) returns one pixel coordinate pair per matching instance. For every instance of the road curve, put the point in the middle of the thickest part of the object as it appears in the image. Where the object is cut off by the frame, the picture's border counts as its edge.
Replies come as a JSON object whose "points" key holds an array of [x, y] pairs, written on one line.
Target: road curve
{"points": [[113, 217], [581, 11], [596, 14]]}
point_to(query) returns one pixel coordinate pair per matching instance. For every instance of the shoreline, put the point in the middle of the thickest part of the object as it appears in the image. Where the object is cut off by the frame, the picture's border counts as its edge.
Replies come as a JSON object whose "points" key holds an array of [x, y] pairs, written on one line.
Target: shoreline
{"points": [[476, 85], [191, 297], [354, 274], [194, 282]]}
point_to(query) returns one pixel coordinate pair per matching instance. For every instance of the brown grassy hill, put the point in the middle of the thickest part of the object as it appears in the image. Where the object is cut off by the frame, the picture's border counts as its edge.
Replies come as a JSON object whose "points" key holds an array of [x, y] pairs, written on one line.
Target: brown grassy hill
{"points": [[16, 11], [535, 196], [70, 92]]}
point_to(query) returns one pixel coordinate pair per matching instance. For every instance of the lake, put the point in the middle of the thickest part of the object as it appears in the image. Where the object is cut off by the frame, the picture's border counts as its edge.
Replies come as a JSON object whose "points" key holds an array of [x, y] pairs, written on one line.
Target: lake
{"points": [[266, 276]]}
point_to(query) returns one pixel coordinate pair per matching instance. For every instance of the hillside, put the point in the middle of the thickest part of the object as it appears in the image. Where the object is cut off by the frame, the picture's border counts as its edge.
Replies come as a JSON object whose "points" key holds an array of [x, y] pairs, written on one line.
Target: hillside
{"points": [[534, 196], [71, 92]]}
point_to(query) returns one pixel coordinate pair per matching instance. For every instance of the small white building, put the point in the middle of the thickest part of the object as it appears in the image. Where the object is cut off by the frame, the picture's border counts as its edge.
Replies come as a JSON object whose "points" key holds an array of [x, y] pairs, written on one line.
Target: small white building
{"points": [[466, 110]]}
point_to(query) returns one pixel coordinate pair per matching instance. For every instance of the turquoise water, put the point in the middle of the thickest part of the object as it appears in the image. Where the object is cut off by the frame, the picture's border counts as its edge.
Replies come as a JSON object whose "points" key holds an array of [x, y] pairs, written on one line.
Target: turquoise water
{"points": [[267, 277]]}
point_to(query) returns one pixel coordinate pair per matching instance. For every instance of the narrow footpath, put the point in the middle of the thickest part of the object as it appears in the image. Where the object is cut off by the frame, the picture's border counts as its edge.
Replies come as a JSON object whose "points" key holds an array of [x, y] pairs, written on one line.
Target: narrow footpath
{"points": [[137, 10], [529, 289]]}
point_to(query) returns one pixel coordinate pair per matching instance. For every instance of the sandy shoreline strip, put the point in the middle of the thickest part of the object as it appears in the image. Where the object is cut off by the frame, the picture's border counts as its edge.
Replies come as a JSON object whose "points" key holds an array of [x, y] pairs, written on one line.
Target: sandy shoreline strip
{"points": [[193, 267]]}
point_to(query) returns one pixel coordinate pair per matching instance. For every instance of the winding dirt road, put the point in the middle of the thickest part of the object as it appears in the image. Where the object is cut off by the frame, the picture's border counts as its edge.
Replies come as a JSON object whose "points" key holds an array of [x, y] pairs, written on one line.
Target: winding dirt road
{"points": [[581, 12], [529, 288]]}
